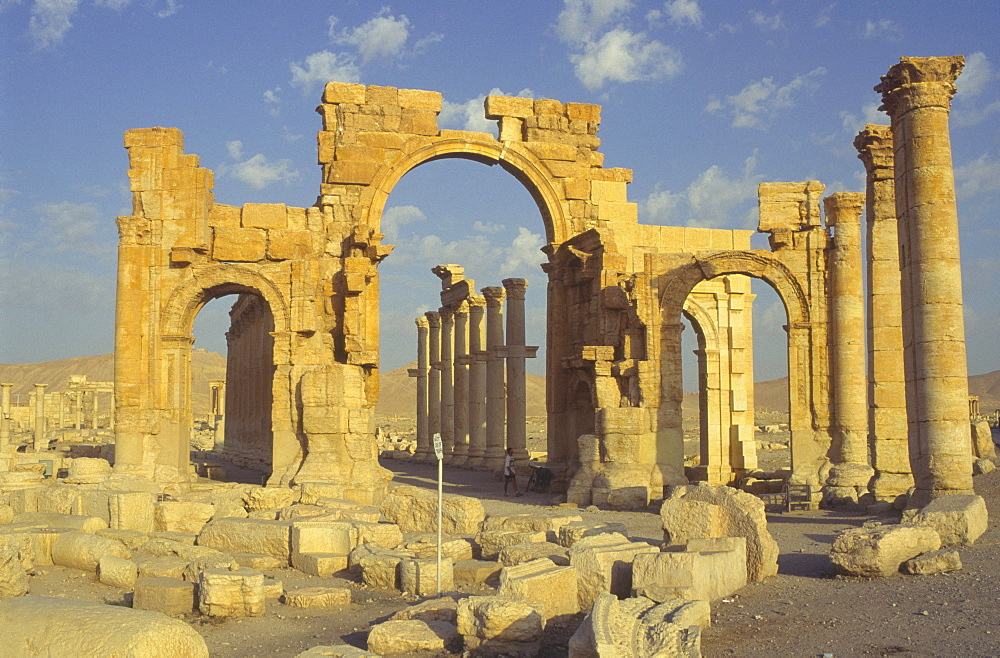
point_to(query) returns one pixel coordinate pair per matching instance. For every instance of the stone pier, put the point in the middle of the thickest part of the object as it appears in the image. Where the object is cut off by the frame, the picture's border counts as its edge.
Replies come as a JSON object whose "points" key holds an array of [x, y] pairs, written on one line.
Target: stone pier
{"points": [[916, 93], [423, 450], [477, 381], [516, 352], [850, 474], [460, 452], [495, 396], [433, 379], [887, 432], [40, 444]]}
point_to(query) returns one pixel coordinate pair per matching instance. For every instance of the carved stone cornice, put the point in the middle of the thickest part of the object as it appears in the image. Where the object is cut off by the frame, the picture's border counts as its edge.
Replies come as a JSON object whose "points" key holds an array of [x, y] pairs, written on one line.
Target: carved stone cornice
{"points": [[919, 82], [874, 145]]}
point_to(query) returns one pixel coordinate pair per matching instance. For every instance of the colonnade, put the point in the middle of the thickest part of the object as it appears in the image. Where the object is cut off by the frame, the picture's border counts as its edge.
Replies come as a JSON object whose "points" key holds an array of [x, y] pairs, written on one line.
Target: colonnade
{"points": [[470, 382]]}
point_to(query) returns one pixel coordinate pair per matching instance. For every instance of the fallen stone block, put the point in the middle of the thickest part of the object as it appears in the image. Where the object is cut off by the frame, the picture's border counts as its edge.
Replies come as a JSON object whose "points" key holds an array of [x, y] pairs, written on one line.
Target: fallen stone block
{"points": [[424, 545], [273, 588], [258, 561], [233, 535], [124, 510], [477, 572], [406, 637], [419, 577], [81, 550], [384, 534], [940, 561], [39, 540], [499, 626], [231, 593], [13, 576], [256, 499], [551, 588], [312, 492], [89, 524], [879, 551], [635, 628], [982, 440], [193, 570], [184, 538], [379, 567], [323, 537], [983, 466], [87, 470], [415, 510], [182, 516], [163, 566], [443, 609], [604, 564], [117, 572], [336, 651], [709, 570], [323, 565], [548, 521], [318, 598], [491, 542], [168, 596], [577, 530], [520, 553], [959, 519], [37, 625], [293, 512], [132, 539]]}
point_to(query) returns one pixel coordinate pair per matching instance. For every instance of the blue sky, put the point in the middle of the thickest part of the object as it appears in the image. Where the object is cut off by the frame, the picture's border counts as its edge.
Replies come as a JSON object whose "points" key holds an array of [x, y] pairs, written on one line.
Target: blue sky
{"points": [[703, 100]]}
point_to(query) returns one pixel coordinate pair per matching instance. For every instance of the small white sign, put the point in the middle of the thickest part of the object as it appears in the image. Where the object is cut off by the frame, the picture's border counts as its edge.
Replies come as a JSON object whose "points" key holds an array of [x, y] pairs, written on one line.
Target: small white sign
{"points": [[438, 447]]}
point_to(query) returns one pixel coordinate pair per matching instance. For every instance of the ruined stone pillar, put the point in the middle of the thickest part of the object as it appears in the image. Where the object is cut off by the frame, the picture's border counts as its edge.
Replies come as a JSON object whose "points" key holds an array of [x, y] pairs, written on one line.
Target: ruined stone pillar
{"points": [[40, 444], [5, 416], [433, 378], [495, 396], [477, 382], [447, 382], [460, 454], [916, 93], [218, 399], [850, 473], [887, 430], [516, 352], [94, 408], [62, 411], [420, 372], [78, 409]]}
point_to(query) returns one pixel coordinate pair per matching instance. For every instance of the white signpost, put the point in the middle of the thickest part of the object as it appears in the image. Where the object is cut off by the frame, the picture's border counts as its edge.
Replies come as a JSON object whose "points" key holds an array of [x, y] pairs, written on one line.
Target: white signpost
{"points": [[439, 453]]}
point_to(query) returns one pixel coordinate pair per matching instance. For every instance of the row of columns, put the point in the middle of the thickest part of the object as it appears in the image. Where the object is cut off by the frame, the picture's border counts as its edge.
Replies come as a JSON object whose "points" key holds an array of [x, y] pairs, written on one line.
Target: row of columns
{"points": [[462, 391]]}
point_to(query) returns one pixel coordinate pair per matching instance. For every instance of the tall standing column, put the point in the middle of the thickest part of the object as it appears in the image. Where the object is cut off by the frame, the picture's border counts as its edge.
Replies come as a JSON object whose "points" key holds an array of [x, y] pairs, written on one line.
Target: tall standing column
{"points": [[460, 454], [516, 352], [447, 382], [423, 450], [477, 382], [78, 409], [5, 416], [495, 398], [40, 443], [916, 93], [433, 377], [887, 430], [94, 408], [850, 473]]}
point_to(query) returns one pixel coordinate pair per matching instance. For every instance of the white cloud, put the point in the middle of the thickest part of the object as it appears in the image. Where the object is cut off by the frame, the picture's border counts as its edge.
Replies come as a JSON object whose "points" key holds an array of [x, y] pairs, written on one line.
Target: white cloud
{"points": [[471, 249], [272, 98], [823, 18], [659, 207], [397, 216], [882, 29], [623, 56], [853, 123], [382, 36], [172, 8], [50, 20], [981, 176], [257, 171], [760, 100], [975, 77], [471, 115], [117, 5], [524, 253], [580, 20], [484, 227], [683, 12], [323, 67], [762, 20], [71, 227]]}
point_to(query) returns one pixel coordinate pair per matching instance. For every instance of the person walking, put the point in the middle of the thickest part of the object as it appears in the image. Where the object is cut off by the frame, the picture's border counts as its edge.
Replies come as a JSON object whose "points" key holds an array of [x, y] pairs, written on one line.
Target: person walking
{"points": [[510, 473]]}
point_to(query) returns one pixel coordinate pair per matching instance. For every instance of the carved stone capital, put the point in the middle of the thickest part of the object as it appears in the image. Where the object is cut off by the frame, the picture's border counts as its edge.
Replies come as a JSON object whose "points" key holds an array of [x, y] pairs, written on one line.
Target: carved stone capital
{"points": [[494, 296], [433, 319], [134, 231], [919, 82], [874, 145], [844, 208], [515, 287]]}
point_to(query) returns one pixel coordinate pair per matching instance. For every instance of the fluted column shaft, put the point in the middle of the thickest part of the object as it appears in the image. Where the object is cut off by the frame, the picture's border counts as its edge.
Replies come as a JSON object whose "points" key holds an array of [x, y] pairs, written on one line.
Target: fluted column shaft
{"points": [[447, 382], [424, 449], [40, 444], [916, 93], [516, 353], [433, 377], [495, 396], [477, 382], [460, 454]]}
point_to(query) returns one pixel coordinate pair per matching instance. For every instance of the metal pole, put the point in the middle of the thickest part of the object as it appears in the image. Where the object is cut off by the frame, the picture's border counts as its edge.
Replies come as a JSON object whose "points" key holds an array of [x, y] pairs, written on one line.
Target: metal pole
{"points": [[439, 453]]}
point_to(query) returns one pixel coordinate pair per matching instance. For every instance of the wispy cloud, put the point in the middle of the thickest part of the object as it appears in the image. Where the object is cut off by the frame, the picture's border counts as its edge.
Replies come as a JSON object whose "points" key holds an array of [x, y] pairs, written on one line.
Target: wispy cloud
{"points": [[765, 22], [853, 123], [759, 101], [257, 171], [323, 67], [581, 20], [471, 115], [396, 217], [382, 36], [50, 21], [976, 81], [524, 253], [980, 176], [684, 12], [65, 227], [624, 56], [882, 29]]}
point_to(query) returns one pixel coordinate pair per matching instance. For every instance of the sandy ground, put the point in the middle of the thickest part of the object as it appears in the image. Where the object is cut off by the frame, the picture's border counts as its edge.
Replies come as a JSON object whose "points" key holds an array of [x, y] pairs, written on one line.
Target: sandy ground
{"points": [[804, 611]]}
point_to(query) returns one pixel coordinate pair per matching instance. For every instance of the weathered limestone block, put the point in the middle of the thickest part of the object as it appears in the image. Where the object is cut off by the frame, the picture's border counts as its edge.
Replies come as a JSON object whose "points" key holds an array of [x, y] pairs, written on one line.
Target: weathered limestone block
{"points": [[273, 588], [520, 553], [13, 575], [940, 561], [419, 577], [323, 565], [982, 441], [38, 625], [552, 588], [300, 512], [38, 540], [477, 572], [6, 514], [339, 537], [983, 466], [336, 651], [267, 498], [550, 522], [258, 561], [168, 596], [491, 542], [698, 573], [379, 566], [415, 510], [384, 534], [192, 572], [182, 516], [248, 536], [87, 470], [879, 551], [231, 593], [577, 530], [312, 492], [636, 628], [695, 511], [126, 510], [54, 500], [183, 538], [499, 626], [162, 566], [117, 572], [958, 518], [132, 539], [407, 637], [604, 564], [443, 609], [424, 545], [325, 598], [81, 550], [74, 522]]}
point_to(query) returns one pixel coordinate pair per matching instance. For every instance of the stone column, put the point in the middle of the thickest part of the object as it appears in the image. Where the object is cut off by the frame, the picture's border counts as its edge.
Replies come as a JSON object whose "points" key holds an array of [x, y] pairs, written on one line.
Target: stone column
{"points": [[495, 396], [916, 93], [424, 449], [433, 378], [94, 408], [447, 382], [461, 428], [5, 416], [218, 398], [850, 473], [40, 444], [516, 352], [62, 412], [887, 430], [78, 409], [477, 382]]}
